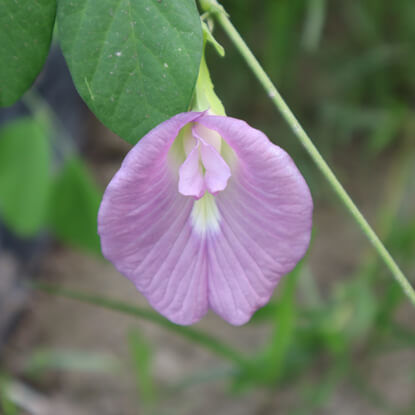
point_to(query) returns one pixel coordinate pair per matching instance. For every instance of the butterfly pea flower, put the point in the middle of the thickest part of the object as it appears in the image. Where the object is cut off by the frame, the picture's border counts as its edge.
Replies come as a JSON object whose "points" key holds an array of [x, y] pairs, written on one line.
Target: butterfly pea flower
{"points": [[205, 213]]}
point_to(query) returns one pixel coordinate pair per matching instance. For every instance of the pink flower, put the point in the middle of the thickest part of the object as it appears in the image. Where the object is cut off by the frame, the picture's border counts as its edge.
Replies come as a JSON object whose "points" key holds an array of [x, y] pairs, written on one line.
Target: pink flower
{"points": [[205, 212]]}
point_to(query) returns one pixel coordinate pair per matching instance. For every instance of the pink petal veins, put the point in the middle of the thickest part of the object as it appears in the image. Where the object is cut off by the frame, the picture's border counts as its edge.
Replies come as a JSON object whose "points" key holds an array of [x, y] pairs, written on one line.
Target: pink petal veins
{"points": [[228, 249], [146, 232]]}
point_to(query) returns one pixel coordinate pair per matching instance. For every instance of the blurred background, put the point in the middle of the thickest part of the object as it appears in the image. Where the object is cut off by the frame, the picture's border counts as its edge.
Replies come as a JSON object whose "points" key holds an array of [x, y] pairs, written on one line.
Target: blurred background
{"points": [[338, 336]]}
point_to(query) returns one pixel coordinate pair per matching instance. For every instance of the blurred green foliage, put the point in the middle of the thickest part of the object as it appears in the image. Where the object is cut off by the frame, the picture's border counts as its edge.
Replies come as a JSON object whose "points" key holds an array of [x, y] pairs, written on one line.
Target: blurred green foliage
{"points": [[7, 407], [25, 166], [347, 69], [142, 359], [36, 192], [355, 81], [42, 361], [75, 200]]}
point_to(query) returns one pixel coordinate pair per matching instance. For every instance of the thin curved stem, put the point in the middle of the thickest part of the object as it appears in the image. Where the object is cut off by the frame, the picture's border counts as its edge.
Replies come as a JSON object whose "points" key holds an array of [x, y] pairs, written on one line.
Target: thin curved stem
{"points": [[213, 7]]}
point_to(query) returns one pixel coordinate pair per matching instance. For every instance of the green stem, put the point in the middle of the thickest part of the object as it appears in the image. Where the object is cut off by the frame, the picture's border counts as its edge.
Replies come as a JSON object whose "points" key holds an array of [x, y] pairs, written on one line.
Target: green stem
{"points": [[212, 6]]}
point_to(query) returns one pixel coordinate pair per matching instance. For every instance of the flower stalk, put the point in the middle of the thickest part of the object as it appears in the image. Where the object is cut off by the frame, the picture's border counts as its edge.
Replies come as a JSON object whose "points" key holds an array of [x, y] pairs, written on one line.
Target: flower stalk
{"points": [[217, 11]]}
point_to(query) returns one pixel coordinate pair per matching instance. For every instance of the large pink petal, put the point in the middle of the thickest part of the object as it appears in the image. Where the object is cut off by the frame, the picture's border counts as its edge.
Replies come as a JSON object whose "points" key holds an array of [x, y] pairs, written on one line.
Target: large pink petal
{"points": [[265, 222], [146, 231]]}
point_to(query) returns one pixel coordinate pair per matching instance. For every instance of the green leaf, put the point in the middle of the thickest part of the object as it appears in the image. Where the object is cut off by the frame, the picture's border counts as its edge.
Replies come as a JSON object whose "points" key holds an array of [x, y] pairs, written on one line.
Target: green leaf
{"points": [[134, 62], [74, 207], [26, 28], [25, 160]]}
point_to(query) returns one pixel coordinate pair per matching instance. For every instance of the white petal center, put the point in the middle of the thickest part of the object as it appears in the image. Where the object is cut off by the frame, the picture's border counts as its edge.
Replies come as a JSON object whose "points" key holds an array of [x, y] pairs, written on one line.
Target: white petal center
{"points": [[205, 215]]}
